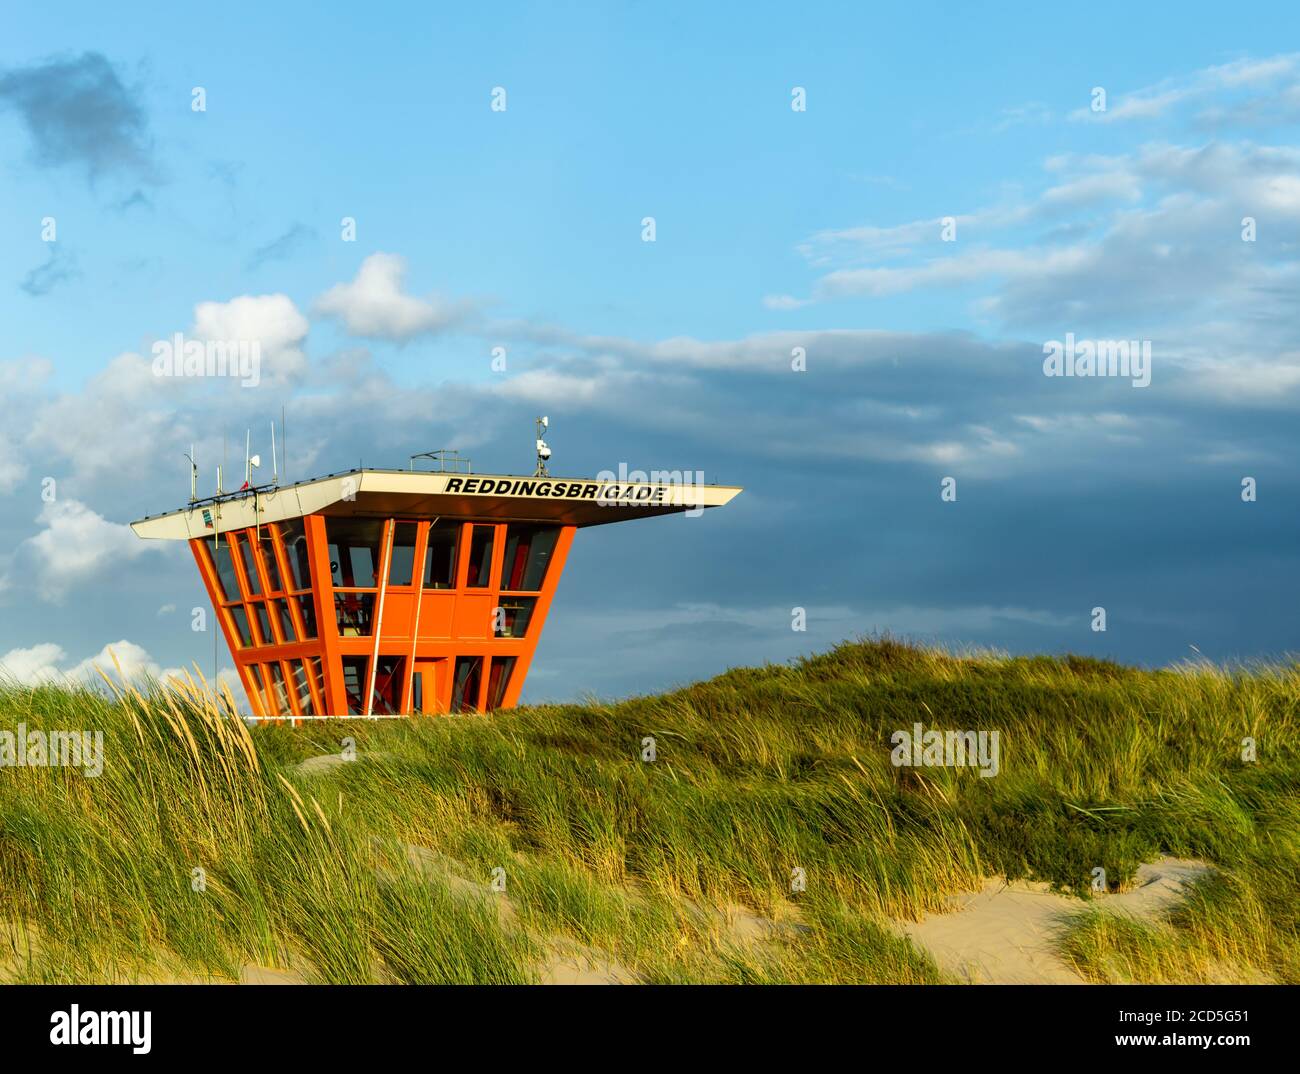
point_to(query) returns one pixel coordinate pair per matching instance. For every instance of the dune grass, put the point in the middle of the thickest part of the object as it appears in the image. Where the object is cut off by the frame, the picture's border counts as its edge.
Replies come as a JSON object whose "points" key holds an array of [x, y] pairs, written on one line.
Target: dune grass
{"points": [[758, 773]]}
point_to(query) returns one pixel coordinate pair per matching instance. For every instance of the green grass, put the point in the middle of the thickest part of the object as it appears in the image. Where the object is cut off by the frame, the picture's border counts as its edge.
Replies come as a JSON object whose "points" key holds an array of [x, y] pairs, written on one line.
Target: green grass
{"points": [[758, 772]]}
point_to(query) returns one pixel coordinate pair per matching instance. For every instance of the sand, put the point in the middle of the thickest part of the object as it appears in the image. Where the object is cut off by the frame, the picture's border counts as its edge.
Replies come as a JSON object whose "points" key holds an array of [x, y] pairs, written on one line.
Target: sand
{"points": [[1004, 933]]}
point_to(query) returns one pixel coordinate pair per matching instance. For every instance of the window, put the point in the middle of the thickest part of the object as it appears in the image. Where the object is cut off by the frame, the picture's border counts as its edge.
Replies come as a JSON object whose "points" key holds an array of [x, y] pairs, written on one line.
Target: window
{"points": [[257, 672], [263, 624], [498, 679], [281, 610], [528, 554], [302, 688], [226, 579], [314, 666], [295, 551], [307, 609], [250, 570], [480, 556], [354, 613], [278, 691], [390, 680], [355, 670], [464, 694], [401, 563], [240, 619], [354, 545], [266, 553], [440, 559], [514, 613]]}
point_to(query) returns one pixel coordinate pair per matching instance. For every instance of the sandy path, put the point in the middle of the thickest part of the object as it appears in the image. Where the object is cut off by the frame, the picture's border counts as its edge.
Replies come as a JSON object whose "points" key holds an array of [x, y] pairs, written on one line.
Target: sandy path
{"points": [[1004, 933]]}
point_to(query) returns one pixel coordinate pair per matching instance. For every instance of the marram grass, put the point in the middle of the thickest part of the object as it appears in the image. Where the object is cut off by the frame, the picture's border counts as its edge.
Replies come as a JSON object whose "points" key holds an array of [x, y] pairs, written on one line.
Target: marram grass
{"points": [[202, 849]]}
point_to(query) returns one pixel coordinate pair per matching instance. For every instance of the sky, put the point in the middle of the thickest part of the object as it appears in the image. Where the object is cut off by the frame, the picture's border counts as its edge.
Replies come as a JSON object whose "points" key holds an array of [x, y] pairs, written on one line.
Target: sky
{"points": [[652, 211]]}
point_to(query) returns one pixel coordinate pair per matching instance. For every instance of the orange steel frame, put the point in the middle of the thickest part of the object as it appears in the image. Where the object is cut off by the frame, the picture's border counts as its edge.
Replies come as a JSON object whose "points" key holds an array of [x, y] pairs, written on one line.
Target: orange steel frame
{"points": [[409, 622]]}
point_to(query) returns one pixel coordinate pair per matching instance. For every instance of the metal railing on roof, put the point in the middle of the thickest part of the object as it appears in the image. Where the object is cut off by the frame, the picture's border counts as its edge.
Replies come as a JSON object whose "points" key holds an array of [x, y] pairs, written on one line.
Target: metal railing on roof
{"points": [[445, 462]]}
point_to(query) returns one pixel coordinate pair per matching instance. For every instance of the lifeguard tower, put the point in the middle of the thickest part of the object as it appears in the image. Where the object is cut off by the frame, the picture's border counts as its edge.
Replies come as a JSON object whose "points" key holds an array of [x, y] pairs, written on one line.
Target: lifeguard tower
{"points": [[377, 592]]}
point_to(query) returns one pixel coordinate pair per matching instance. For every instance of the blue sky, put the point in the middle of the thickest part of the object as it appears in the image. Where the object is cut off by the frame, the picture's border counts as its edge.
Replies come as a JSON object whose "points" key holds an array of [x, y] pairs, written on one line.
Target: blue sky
{"points": [[775, 229]]}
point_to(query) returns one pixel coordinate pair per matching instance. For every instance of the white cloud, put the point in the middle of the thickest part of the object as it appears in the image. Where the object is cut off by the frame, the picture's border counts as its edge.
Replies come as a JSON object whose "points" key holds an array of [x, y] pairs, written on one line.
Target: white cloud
{"points": [[1254, 72], [123, 406], [967, 267], [32, 666], [876, 241], [47, 662], [75, 544], [19, 380], [784, 302], [20, 375], [373, 306], [1245, 75], [1145, 104], [121, 660], [1144, 244], [552, 386], [13, 468], [1092, 189], [272, 321], [1246, 381]]}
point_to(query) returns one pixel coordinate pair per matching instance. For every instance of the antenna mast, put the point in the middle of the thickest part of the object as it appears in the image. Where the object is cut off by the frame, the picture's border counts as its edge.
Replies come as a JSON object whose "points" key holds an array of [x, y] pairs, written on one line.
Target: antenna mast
{"points": [[543, 450]]}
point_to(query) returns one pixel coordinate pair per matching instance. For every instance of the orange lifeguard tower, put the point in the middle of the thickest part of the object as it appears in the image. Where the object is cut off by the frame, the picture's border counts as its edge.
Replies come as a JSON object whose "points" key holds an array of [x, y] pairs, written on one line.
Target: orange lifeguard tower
{"points": [[397, 592]]}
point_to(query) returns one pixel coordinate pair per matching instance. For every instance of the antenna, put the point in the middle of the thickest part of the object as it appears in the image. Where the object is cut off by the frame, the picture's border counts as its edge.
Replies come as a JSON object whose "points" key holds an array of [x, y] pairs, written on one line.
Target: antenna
{"points": [[218, 480], [275, 466], [194, 475], [251, 462], [543, 450]]}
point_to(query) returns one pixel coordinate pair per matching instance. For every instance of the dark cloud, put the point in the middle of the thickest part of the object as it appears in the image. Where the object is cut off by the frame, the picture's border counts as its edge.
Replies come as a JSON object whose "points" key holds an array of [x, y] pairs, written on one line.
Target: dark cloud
{"points": [[80, 114], [1072, 494], [282, 248], [60, 266], [137, 198]]}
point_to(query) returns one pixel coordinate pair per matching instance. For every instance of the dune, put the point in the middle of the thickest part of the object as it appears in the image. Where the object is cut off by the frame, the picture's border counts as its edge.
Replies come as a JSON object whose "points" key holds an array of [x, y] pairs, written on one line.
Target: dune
{"points": [[1005, 933]]}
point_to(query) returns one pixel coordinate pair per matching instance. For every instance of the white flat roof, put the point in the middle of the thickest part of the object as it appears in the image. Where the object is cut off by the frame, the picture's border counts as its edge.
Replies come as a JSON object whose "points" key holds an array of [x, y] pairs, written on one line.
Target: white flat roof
{"points": [[573, 501]]}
